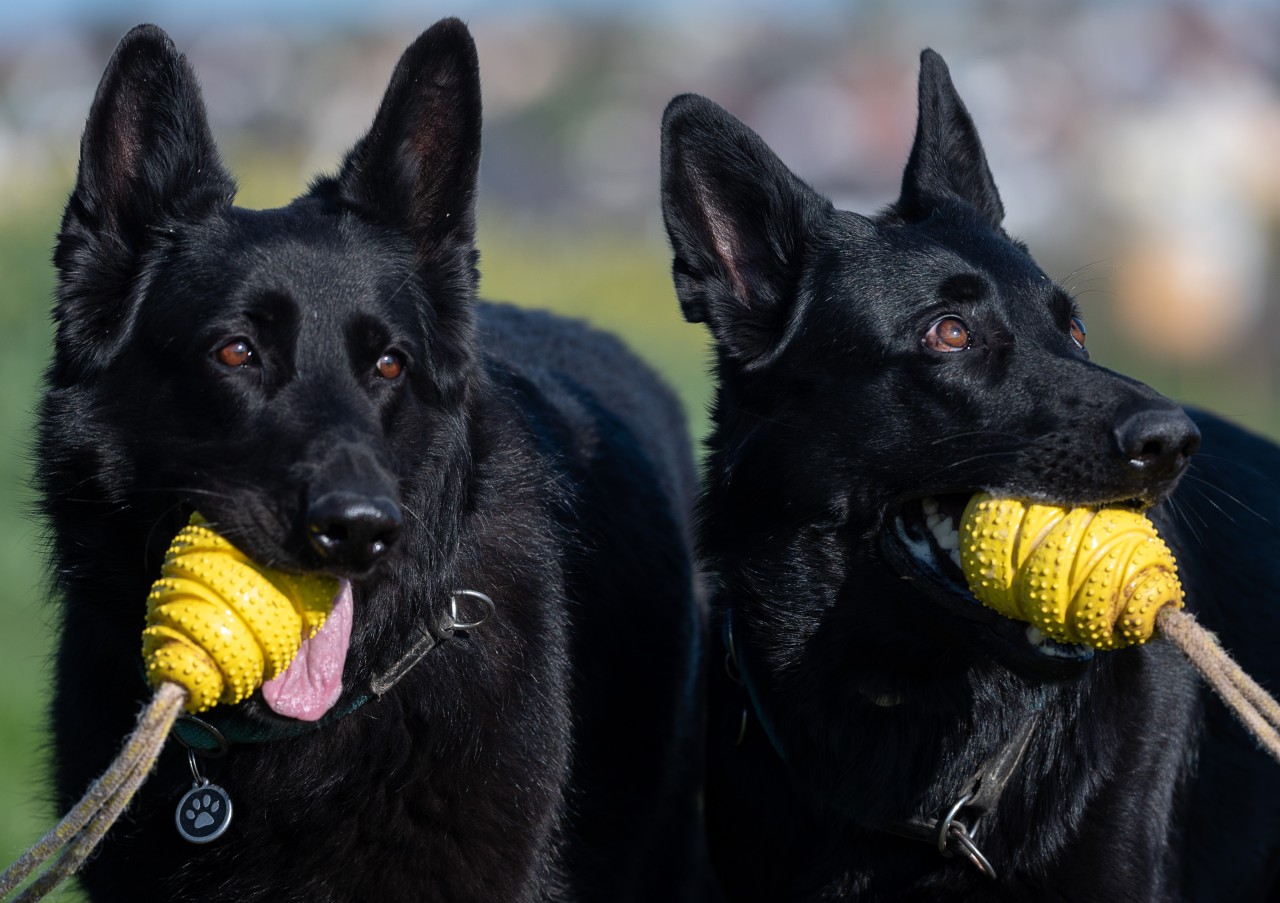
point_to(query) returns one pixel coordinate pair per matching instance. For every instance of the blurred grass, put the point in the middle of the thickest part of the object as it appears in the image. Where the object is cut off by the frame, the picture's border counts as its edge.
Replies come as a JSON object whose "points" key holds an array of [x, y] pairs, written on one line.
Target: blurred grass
{"points": [[26, 236], [615, 279]]}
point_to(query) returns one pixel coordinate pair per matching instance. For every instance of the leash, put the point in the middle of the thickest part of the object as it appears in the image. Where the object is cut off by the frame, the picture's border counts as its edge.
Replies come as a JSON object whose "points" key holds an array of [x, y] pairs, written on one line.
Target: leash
{"points": [[206, 806]]}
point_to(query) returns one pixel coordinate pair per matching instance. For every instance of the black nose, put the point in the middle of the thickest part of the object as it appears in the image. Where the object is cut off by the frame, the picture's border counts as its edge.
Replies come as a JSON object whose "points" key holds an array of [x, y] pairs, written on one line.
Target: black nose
{"points": [[1157, 441], [353, 530]]}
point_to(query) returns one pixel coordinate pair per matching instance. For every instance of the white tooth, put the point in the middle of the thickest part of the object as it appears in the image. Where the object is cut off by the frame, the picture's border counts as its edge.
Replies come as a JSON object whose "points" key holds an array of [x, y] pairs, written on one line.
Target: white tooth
{"points": [[1036, 636], [932, 520], [955, 556], [947, 536], [929, 504], [887, 700]]}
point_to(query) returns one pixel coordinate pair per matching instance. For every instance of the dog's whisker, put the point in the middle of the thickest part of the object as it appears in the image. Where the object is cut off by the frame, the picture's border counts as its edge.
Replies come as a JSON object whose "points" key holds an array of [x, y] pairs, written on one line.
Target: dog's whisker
{"points": [[765, 419], [964, 462], [1203, 486], [399, 288], [1067, 280], [979, 434], [1184, 514]]}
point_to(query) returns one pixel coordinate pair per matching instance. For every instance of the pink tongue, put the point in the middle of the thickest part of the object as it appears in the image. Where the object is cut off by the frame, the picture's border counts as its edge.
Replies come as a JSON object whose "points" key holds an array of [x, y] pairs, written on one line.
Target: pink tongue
{"points": [[311, 684]]}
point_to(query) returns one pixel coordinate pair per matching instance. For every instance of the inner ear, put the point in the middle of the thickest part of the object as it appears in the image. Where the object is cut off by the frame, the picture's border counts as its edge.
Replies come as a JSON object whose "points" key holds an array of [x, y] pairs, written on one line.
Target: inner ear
{"points": [[147, 152], [418, 164], [738, 221], [947, 161], [147, 161]]}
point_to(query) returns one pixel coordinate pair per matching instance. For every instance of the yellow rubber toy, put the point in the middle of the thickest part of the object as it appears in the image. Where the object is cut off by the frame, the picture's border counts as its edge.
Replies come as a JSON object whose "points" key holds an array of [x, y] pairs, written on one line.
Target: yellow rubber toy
{"points": [[219, 625], [1081, 575]]}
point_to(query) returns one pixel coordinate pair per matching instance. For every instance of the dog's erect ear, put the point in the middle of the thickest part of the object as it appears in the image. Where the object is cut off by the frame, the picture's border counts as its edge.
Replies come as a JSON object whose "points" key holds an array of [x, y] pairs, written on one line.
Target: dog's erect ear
{"points": [[147, 153], [946, 159], [146, 158], [416, 168], [738, 220]]}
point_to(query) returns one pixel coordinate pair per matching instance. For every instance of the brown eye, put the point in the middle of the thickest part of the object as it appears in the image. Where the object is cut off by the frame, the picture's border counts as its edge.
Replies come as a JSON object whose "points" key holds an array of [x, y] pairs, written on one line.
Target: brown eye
{"points": [[1077, 331], [234, 354], [390, 366], [948, 334]]}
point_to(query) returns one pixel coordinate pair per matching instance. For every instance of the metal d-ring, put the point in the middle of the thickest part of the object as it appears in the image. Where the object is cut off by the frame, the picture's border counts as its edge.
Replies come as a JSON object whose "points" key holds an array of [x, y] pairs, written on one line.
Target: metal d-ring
{"points": [[490, 609], [220, 747], [951, 830], [944, 824]]}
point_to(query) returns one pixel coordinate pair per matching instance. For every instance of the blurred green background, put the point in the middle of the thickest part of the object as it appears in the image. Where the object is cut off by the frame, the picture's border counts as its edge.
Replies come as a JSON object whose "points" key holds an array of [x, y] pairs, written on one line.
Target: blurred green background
{"points": [[1134, 144]]}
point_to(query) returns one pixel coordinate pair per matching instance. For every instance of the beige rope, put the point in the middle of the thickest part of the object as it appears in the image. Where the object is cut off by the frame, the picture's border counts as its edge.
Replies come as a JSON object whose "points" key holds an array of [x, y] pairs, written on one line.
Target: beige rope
{"points": [[79, 832], [1253, 705]]}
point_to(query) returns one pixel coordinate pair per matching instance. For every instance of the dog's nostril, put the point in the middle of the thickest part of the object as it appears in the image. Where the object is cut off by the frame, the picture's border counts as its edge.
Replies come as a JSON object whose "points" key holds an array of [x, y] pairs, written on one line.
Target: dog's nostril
{"points": [[1157, 441], [350, 529]]}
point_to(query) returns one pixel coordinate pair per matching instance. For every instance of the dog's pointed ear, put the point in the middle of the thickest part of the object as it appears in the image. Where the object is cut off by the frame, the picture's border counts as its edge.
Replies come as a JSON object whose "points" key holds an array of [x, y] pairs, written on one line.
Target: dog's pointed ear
{"points": [[147, 158], [416, 168], [947, 160], [738, 220]]}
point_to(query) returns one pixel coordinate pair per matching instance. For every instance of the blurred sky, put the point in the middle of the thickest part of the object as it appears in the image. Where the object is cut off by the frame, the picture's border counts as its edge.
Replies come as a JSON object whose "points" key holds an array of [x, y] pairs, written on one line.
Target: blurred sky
{"points": [[17, 16], [21, 16]]}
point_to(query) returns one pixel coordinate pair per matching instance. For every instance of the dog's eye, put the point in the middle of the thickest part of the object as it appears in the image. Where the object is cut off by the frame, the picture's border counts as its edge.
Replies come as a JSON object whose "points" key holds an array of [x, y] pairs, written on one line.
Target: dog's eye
{"points": [[948, 334], [390, 365], [236, 353], [1078, 331]]}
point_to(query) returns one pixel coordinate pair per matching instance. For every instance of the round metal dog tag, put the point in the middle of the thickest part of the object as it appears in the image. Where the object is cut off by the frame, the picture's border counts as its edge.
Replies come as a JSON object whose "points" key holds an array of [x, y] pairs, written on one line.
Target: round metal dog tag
{"points": [[204, 813]]}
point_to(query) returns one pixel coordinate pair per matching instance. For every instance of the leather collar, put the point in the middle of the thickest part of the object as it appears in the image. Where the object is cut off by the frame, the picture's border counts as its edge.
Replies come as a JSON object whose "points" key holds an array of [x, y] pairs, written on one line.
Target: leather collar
{"points": [[214, 733]]}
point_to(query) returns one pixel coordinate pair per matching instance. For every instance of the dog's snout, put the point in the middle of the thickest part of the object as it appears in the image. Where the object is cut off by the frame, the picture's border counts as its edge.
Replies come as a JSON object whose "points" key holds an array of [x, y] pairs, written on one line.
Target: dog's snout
{"points": [[1158, 442], [353, 530]]}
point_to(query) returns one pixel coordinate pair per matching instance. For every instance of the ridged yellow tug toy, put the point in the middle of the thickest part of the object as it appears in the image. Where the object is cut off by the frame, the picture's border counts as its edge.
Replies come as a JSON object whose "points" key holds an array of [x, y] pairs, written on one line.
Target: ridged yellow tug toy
{"points": [[1081, 575], [219, 625]]}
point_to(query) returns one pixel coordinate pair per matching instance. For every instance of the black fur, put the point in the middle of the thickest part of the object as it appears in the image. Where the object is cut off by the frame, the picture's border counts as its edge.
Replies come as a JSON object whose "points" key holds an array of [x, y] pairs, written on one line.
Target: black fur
{"points": [[550, 754], [836, 412]]}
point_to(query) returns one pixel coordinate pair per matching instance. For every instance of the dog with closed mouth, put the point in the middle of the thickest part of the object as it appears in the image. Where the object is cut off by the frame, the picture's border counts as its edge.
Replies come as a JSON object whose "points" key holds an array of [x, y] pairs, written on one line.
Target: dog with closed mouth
{"points": [[876, 734], [507, 705]]}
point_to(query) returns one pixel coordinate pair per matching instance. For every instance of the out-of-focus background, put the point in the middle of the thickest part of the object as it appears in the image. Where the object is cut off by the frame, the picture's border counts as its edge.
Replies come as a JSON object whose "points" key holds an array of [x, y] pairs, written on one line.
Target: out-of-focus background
{"points": [[1136, 146]]}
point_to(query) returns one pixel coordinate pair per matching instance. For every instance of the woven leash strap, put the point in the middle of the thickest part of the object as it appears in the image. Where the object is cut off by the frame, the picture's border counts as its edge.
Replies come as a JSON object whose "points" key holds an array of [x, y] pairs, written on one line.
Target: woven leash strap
{"points": [[1253, 705], [71, 841]]}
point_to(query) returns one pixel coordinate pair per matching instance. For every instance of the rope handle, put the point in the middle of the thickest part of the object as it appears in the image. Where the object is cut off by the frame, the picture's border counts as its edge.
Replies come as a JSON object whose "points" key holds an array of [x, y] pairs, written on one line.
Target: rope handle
{"points": [[69, 843], [1254, 706]]}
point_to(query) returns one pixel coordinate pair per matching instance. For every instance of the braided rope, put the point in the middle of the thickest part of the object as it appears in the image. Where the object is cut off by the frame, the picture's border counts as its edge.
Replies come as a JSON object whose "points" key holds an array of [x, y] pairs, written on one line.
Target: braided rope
{"points": [[1253, 705], [80, 831]]}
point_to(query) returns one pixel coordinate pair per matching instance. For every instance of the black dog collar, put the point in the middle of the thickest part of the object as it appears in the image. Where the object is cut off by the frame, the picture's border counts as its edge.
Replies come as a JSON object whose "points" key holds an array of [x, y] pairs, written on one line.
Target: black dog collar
{"points": [[213, 734]]}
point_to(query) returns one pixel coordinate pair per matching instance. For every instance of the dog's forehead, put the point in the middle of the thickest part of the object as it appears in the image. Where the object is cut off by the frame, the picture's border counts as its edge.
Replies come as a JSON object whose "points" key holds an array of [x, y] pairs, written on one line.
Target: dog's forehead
{"points": [[327, 265], [875, 282], [326, 258], [920, 261]]}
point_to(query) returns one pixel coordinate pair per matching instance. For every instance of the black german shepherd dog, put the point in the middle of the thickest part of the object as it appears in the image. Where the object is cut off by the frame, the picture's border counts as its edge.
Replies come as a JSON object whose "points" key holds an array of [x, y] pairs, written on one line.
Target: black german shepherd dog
{"points": [[873, 374], [320, 382]]}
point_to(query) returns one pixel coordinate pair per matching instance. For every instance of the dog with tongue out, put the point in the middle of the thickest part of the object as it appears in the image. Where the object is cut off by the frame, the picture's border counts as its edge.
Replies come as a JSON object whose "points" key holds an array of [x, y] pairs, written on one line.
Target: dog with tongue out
{"points": [[446, 563]]}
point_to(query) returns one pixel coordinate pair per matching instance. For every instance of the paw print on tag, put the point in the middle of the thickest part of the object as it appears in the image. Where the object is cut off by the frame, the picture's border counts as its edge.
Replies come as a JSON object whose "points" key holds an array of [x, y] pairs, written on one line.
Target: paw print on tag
{"points": [[204, 812]]}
